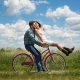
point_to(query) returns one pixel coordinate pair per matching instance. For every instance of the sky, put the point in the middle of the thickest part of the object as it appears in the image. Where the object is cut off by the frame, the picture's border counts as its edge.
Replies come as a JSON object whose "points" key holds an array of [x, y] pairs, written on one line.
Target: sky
{"points": [[60, 19]]}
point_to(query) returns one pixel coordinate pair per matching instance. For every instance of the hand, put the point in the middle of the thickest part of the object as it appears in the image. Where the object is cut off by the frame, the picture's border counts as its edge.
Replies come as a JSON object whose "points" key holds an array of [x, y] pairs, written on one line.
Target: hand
{"points": [[44, 44]]}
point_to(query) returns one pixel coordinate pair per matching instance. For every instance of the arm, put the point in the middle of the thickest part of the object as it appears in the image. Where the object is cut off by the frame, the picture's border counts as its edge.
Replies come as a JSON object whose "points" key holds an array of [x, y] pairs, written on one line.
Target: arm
{"points": [[40, 43]]}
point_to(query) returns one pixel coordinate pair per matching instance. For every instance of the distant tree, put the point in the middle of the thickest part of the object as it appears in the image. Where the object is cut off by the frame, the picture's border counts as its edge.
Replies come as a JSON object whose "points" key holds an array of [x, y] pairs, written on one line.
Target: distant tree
{"points": [[2, 50], [19, 49]]}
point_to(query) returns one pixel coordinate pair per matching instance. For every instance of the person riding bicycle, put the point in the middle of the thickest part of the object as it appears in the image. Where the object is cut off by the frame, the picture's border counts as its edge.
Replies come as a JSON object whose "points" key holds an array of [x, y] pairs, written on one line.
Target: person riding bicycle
{"points": [[29, 41], [36, 30]]}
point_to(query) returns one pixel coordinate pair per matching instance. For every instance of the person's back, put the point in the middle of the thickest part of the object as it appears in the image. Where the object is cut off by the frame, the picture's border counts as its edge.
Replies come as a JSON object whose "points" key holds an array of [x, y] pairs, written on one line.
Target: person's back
{"points": [[27, 38]]}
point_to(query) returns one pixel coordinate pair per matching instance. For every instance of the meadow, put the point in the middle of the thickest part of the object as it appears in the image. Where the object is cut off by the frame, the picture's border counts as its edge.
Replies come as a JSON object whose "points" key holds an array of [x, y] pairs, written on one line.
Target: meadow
{"points": [[72, 71]]}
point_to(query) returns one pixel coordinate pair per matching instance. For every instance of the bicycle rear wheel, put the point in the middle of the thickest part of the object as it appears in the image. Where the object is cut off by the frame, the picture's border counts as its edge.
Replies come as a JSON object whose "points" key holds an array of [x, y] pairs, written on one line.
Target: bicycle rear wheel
{"points": [[22, 63], [54, 61]]}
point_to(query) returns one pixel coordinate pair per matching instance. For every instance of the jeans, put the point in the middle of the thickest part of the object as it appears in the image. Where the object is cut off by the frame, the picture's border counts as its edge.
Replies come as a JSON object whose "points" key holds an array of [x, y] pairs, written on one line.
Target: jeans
{"points": [[37, 56]]}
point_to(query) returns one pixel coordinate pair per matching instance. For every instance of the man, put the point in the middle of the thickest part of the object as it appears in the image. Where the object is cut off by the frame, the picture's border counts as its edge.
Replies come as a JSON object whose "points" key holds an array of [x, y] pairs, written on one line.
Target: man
{"points": [[29, 41]]}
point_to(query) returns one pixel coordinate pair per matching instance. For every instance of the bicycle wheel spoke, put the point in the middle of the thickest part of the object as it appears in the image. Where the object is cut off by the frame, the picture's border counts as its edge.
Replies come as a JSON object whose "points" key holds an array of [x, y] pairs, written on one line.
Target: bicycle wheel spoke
{"points": [[18, 60], [55, 62]]}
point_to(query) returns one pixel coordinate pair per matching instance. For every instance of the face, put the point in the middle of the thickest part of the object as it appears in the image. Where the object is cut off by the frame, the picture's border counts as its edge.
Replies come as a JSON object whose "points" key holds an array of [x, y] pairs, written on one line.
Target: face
{"points": [[35, 25]]}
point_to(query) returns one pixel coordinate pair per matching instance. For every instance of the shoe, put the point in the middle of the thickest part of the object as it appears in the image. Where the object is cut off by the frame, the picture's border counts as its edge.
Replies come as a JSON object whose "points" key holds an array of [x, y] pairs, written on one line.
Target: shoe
{"points": [[69, 50], [43, 70], [65, 52]]}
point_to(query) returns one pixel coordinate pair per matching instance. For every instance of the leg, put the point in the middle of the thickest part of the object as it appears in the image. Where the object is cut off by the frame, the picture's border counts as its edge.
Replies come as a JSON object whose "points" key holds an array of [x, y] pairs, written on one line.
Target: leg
{"points": [[37, 55], [69, 50], [65, 50], [38, 59], [59, 46]]}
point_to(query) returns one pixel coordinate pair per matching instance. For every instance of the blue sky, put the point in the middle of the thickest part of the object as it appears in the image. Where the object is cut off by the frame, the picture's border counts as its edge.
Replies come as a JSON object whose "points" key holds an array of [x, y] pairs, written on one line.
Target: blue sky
{"points": [[60, 18]]}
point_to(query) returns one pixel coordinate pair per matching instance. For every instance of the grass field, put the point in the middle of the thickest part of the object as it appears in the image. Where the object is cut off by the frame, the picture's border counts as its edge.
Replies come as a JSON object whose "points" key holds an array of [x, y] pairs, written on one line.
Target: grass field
{"points": [[72, 71]]}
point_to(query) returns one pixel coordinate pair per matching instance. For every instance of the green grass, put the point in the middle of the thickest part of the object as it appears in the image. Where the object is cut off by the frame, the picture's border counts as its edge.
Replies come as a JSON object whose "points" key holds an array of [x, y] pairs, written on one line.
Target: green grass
{"points": [[66, 75], [72, 71]]}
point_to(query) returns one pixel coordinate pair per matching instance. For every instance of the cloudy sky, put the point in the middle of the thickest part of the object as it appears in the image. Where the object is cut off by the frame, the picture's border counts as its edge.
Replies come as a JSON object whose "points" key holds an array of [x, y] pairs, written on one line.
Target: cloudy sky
{"points": [[60, 18]]}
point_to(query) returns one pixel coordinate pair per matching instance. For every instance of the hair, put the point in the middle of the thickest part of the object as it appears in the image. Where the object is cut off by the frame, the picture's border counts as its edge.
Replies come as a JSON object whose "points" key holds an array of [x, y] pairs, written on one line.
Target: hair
{"points": [[31, 23]]}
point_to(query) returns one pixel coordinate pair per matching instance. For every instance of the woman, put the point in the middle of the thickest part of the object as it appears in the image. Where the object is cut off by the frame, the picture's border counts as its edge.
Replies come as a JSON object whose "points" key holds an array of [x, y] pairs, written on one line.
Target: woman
{"points": [[39, 31]]}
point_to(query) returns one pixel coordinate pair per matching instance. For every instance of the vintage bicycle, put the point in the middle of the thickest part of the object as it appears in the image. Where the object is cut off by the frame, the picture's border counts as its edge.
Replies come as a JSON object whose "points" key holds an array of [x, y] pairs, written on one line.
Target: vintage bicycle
{"points": [[51, 61]]}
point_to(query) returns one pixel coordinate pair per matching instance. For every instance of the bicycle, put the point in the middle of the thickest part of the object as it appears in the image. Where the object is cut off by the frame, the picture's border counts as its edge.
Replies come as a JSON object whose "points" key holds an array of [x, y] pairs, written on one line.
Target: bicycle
{"points": [[51, 61]]}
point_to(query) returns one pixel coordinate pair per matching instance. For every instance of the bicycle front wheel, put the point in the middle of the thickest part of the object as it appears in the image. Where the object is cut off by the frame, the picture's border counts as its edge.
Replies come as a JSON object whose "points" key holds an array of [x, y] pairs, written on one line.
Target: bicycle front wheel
{"points": [[54, 61], [22, 63]]}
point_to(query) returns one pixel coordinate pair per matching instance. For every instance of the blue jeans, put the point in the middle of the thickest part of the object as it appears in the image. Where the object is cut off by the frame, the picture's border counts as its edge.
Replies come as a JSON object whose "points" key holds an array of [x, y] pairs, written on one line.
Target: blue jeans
{"points": [[37, 56]]}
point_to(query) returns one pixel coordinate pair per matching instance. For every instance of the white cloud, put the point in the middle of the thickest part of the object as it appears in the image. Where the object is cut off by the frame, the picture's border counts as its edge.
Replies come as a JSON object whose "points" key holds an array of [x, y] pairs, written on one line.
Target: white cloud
{"points": [[16, 30], [40, 2], [17, 6], [72, 19], [61, 12], [11, 34], [73, 23], [60, 31]]}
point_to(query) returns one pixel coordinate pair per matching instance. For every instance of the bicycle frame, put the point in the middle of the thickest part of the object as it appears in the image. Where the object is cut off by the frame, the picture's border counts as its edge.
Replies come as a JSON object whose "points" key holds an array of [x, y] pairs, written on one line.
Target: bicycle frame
{"points": [[47, 53]]}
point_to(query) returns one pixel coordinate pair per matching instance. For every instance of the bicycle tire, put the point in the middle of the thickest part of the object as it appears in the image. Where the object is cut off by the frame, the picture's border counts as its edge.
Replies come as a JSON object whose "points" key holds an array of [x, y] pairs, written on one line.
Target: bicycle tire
{"points": [[55, 62], [19, 59]]}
